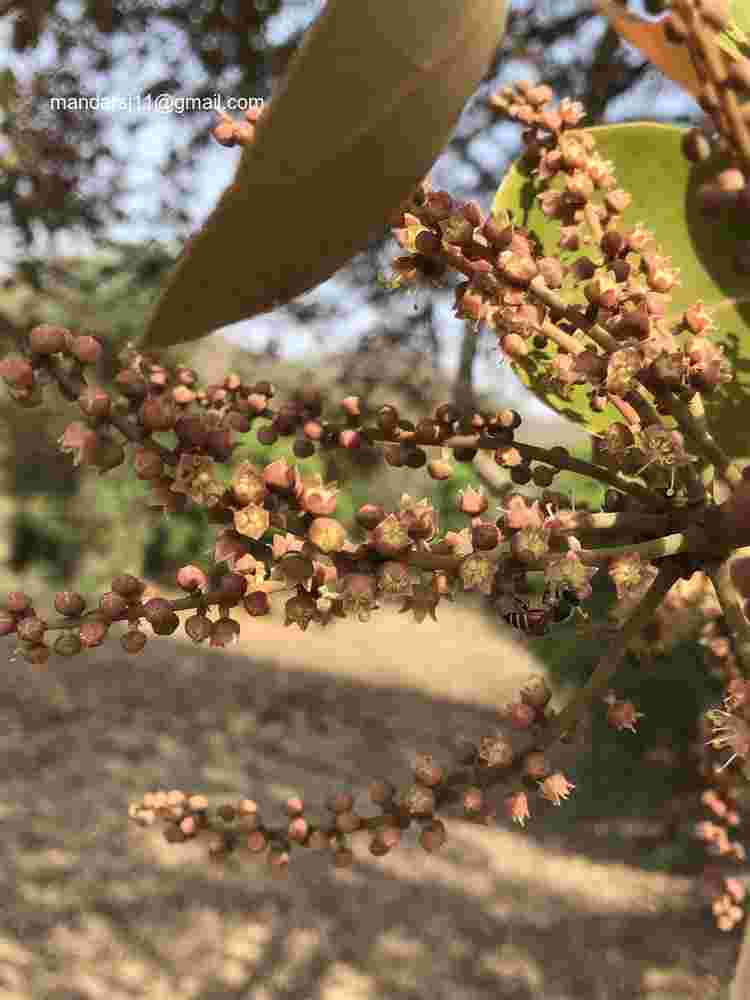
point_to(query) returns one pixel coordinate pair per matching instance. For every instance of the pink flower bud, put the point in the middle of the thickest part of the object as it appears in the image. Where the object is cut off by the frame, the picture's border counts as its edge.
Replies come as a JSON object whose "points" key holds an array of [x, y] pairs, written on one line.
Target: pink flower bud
{"points": [[157, 413], [47, 339], [17, 372], [279, 476]]}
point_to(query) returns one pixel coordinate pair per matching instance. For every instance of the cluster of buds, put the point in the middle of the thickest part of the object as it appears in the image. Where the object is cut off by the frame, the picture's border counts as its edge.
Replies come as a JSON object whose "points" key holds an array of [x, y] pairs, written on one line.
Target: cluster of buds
{"points": [[601, 321], [724, 87], [510, 756]]}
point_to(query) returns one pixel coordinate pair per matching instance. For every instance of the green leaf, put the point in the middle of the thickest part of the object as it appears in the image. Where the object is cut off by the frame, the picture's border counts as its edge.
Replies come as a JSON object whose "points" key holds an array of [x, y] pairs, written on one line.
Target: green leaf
{"points": [[369, 102], [648, 163], [735, 39]]}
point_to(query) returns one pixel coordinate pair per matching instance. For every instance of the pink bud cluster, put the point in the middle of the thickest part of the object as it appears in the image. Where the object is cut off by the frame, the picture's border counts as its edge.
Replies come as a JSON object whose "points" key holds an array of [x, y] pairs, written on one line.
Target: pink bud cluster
{"points": [[239, 827]]}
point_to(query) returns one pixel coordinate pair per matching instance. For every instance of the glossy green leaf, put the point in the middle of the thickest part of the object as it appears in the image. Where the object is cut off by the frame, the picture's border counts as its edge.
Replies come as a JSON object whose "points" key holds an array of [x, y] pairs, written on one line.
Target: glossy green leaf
{"points": [[649, 164], [368, 104]]}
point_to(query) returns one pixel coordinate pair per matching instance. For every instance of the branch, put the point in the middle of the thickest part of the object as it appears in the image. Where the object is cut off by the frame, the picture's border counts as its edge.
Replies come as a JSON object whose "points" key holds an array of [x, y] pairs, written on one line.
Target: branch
{"points": [[731, 605], [691, 419]]}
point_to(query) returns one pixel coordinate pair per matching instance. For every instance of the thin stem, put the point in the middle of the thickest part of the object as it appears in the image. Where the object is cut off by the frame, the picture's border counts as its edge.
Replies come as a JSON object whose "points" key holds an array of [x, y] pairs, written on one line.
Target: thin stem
{"points": [[569, 464], [657, 548], [691, 419]]}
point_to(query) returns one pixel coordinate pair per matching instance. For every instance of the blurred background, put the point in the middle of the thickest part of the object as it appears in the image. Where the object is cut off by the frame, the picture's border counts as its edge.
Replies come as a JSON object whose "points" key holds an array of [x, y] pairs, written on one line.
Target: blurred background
{"points": [[95, 207]]}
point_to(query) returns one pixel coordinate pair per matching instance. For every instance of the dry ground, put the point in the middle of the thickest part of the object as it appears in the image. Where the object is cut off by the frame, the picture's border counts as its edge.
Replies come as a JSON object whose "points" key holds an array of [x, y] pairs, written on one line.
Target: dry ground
{"points": [[95, 907]]}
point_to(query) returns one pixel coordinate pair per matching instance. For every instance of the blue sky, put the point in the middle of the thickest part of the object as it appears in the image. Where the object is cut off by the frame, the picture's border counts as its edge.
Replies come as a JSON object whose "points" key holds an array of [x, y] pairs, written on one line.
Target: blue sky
{"points": [[217, 166]]}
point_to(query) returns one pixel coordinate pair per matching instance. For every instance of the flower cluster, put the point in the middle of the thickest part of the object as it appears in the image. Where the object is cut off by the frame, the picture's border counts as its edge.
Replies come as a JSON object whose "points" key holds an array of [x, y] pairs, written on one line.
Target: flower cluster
{"points": [[600, 322]]}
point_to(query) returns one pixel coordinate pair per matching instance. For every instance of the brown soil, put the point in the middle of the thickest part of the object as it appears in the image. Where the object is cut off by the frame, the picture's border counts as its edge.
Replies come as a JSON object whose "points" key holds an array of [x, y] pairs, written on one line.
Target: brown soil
{"points": [[94, 906]]}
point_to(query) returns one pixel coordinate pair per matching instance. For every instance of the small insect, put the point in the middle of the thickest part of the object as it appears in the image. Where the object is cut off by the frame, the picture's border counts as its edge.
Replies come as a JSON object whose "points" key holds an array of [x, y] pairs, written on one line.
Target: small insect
{"points": [[536, 621]]}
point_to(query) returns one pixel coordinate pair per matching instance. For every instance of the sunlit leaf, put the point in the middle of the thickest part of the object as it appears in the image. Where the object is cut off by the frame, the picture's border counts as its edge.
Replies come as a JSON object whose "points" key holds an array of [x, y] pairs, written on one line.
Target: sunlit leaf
{"points": [[368, 104]]}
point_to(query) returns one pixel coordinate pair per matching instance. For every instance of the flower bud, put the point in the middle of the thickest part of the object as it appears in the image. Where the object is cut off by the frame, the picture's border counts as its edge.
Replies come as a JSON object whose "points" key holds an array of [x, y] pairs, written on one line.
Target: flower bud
{"points": [[535, 692], [516, 807], [224, 631], [485, 536], [191, 578], [257, 603], [92, 633], [147, 464], [69, 603], [127, 586], [520, 715], [514, 345], [418, 800], [472, 501], [87, 350], [17, 603], [157, 413], [17, 372], [7, 624], [495, 751], [279, 476], [535, 766], [439, 469], [696, 146], [31, 629], [224, 133], [46, 339], [133, 641]]}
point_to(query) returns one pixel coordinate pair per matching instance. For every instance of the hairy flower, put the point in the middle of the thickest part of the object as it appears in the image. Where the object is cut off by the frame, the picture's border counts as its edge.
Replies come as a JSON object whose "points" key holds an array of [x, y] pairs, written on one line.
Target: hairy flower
{"points": [[530, 544], [517, 513], [80, 441], [569, 572], [389, 538], [556, 787], [730, 731], [252, 521], [194, 477], [621, 714], [423, 600], [622, 368], [516, 807], [632, 576], [477, 572], [247, 484], [394, 579]]}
